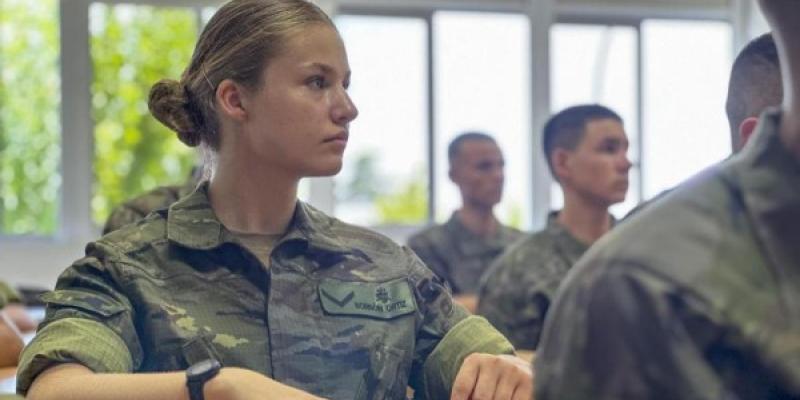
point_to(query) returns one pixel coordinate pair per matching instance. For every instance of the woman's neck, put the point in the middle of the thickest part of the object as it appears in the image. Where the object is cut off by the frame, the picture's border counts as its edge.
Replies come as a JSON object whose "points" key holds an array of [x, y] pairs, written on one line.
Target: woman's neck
{"points": [[249, 202]]}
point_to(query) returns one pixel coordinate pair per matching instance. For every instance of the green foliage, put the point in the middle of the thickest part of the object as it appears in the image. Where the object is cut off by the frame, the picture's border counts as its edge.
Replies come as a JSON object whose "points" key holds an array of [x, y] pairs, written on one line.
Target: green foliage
{"points": [[133, 47], [30, 128], [363, 185], [513, 215], [408, 206], [404, 203]]}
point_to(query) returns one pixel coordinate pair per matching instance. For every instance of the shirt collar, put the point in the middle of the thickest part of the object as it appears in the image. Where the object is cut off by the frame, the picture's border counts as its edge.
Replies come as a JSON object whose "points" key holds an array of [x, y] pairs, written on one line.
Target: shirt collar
{"points": [[191, 222], [769, 178]]}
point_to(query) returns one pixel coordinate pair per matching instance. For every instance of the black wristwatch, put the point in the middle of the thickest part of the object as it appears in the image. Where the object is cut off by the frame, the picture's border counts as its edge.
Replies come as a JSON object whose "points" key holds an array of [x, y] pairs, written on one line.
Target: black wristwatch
{"points": [[198, 374]]}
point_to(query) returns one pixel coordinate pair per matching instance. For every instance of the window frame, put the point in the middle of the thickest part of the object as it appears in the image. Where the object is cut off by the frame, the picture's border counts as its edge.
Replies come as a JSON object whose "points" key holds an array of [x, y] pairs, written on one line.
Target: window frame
{"points": [[76, 114], [539, 90], [75, 227], [636, 22]]}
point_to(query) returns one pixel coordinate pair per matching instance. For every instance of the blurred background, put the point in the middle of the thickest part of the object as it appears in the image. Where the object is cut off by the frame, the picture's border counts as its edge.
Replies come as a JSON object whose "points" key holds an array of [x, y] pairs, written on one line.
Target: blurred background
{"points": [[76, 138]]}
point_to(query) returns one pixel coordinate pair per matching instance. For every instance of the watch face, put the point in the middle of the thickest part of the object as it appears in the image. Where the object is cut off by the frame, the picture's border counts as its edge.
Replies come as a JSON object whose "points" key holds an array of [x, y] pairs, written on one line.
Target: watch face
{"points": [[201, 369]]}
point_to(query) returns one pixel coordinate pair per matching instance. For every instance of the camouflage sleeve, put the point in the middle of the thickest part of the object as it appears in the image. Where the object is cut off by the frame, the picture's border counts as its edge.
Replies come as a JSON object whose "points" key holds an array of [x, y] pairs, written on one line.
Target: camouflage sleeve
{"points": [[512, 304], [121, 216], [472, 335], [7, 294], [425, 251], [621, 333], [447, 335], [88, 321]]}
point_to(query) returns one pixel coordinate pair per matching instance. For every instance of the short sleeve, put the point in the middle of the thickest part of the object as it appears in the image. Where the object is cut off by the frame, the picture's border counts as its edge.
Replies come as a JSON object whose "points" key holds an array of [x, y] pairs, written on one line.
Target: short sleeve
{"points": [[88, 321]]}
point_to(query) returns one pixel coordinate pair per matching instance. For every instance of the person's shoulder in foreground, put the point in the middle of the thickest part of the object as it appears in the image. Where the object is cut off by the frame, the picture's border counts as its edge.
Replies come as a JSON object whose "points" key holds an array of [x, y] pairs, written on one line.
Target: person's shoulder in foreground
{"points": [[693, 298]]}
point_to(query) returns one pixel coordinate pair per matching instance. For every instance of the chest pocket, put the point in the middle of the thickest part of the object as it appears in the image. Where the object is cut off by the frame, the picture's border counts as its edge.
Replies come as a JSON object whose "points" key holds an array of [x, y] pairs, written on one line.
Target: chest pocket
{"points": [[377, 317]]}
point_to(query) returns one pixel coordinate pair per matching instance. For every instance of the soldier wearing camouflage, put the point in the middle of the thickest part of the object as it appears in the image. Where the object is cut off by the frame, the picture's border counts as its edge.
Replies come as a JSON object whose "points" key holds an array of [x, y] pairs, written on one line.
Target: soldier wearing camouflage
{"points": [[341, 311], [586, 149], [696, 297], [460, 250], [517, 289], [7, 294], [290, 303], [459, 256]]}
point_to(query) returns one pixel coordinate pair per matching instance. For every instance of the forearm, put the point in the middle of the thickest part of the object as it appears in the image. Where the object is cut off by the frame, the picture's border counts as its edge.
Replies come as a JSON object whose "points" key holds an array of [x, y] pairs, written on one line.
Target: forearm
{"points": [[76, 382], [10, 343], [472, 335]]}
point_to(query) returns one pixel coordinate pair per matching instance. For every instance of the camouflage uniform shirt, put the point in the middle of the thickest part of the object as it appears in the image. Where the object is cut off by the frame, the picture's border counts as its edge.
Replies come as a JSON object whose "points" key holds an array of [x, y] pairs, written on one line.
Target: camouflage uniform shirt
{"points": [[7, 295], [342, 312], [457, 255], [138, 208], [517, 289], [696, 297]]}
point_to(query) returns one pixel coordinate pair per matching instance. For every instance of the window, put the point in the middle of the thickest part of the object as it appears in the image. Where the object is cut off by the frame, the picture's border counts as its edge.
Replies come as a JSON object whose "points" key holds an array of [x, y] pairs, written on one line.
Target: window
{"points": [[419, 80], [133, 151], [30, 128], [680, 133], [384, 177], [686, 70], [482, 83]]}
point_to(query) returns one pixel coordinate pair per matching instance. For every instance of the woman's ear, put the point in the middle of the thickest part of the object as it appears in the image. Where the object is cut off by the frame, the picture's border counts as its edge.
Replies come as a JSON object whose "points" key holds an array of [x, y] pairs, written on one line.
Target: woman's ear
{"points": [[230, 97]]}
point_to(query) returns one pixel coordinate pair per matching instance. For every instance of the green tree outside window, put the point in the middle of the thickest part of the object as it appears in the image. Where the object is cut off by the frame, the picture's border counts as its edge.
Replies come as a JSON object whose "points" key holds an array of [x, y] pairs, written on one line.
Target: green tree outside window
{"points": [[30, 128], [132, 47]]}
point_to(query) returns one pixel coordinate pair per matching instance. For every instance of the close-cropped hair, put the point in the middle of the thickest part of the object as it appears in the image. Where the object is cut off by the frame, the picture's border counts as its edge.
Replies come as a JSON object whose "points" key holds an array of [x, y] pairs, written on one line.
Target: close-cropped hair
{"points": [[755, 83], [454, 149], [565, 129]]}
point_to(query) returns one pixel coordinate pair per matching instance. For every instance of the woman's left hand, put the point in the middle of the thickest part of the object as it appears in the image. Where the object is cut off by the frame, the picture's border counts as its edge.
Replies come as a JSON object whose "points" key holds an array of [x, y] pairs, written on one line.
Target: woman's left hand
{"points": [[492, 377]]}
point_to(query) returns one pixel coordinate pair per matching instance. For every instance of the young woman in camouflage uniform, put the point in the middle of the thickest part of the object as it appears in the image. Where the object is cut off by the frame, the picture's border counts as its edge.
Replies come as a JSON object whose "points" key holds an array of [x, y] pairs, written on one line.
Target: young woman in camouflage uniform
{"points": [[292, 303]]}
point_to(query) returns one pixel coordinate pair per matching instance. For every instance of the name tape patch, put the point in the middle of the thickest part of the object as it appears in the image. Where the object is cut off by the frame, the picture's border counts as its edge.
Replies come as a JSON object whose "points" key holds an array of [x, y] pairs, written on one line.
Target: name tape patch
{"points": [[383, 300]]}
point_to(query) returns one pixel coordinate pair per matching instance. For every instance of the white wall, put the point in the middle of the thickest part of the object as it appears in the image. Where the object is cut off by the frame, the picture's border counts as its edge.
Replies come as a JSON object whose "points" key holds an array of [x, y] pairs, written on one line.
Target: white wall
{"points": [[36, 262]]}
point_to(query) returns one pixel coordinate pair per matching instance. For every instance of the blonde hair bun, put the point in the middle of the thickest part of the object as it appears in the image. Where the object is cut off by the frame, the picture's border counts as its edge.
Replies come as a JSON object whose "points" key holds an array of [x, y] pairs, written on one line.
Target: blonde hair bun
{"points": [[170, 103]]}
